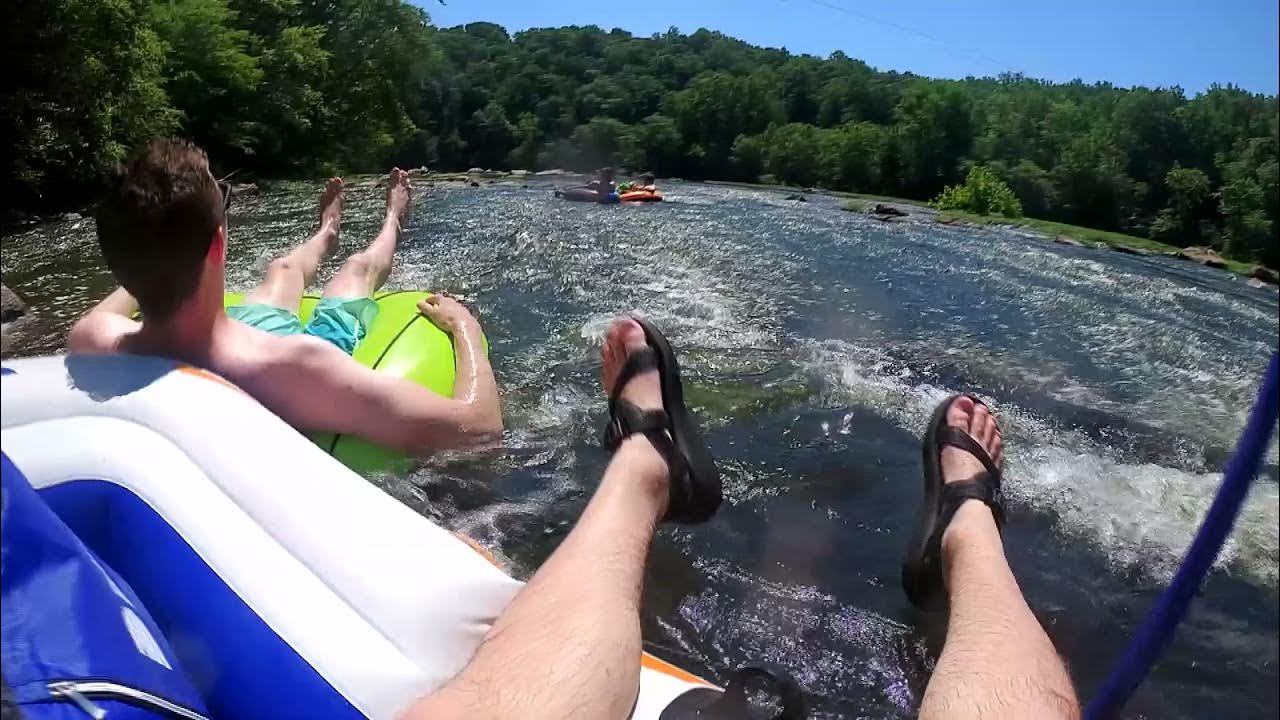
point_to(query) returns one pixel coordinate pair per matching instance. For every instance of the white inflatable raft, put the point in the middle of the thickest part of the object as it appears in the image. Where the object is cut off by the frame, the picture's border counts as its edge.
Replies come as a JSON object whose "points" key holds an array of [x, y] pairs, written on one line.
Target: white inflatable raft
{"points": [[287, 584]]}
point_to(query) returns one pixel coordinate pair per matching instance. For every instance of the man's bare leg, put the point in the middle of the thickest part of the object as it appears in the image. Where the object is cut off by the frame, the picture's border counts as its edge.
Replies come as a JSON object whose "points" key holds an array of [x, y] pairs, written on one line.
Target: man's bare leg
{"points": [[997, 661], [288, 276], [568, 646], [363, 273]]}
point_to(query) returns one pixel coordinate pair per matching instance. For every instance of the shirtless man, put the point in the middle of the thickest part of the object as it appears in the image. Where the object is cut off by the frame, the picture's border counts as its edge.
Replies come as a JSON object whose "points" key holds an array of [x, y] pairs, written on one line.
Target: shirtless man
{"points": [[161, 226]]}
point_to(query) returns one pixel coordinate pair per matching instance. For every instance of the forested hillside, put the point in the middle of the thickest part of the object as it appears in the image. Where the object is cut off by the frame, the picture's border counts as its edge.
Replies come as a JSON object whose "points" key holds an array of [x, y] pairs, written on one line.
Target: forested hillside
{"points": [[303, 87]]}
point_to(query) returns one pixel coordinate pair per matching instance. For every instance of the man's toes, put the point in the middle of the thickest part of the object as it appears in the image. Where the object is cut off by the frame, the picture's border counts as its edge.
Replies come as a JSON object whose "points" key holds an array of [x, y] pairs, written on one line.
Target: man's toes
{"points": [[633, 335], [614, 333], [960, 413], [982, 429], [978, 421], [996, 449]]}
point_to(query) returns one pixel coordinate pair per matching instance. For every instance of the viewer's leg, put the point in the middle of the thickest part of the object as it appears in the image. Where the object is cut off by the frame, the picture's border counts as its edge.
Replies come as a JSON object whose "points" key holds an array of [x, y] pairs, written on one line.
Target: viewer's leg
{"points": [[997, 661], [568, 646], [363, 273], [288, 276]]}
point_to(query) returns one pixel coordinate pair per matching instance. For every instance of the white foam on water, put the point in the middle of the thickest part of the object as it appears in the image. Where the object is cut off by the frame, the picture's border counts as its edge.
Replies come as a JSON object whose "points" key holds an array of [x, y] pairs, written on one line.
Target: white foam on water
{"points": [[1142, 516]]}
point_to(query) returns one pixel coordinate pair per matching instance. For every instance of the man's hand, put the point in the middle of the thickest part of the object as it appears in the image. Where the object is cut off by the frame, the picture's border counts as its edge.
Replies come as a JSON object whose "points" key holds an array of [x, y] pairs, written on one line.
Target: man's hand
{"points": [[448, 314]]}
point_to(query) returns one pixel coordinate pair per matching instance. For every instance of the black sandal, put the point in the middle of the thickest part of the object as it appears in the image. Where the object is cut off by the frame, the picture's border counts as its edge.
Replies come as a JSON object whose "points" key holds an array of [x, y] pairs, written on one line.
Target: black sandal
{"points": [[922, 566], [695, 480]]}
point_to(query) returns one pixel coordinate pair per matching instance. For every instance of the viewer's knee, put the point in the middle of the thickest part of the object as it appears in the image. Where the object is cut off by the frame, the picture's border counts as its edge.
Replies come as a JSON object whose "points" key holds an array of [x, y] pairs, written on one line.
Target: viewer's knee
{"points": [[282, 266], [360, 265]]}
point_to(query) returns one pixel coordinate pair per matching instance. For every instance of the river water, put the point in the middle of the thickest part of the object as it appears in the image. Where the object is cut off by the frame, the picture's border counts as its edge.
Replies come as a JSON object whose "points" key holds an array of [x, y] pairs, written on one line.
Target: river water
{"points": [[815, 343]]}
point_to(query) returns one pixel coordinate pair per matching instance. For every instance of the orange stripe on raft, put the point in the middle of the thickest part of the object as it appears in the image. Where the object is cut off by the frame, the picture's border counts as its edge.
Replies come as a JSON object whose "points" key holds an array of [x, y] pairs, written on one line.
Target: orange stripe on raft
{"points": [[481, 550], [666, 668], [202, 373]]}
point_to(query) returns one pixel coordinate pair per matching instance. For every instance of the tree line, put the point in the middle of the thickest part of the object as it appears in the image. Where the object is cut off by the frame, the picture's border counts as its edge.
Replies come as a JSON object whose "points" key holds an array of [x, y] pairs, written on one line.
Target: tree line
{"points": [[303, 87]]}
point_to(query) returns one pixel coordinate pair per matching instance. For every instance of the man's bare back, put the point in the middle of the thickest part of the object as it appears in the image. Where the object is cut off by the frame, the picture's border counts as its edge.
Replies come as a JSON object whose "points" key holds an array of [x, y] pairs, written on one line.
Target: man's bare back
{"points": [[311, 382]]}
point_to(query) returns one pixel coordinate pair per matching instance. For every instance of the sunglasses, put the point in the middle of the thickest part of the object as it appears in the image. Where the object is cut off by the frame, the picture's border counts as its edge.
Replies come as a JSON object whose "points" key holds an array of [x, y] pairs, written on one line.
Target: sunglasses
{"points": [[225, 187]]}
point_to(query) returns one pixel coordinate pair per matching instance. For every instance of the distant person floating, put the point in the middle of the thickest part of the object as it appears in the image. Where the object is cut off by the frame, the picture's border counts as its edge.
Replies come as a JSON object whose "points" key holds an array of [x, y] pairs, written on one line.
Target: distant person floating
{"points": [[646, 183], [600, 189]]}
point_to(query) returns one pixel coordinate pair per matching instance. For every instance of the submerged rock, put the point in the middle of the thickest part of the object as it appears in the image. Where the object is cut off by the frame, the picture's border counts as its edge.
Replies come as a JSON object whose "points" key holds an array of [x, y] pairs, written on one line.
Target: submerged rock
{"points": [[12, 307]]}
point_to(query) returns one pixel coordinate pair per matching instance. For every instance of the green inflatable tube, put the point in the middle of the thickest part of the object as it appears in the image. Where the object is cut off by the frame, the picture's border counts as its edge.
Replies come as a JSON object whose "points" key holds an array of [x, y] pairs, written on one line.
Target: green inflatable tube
{"points": [[401, 342]]}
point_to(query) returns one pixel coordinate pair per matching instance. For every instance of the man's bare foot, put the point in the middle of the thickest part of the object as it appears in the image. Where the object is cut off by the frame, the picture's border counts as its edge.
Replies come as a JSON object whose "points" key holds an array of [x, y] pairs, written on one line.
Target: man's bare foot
{"points": [[958, 465], [644, 390], [331, 212], [398, 193]]}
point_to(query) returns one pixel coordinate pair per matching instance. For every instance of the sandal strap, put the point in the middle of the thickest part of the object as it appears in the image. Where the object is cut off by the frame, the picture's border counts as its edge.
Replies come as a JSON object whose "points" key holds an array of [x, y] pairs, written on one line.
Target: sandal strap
{"points": [[639, 361], [957, 438], [983, 487], [626, 420]]}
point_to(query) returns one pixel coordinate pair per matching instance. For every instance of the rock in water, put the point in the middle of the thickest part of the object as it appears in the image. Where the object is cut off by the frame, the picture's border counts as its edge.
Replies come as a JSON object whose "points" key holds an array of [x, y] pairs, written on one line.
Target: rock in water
{"points": [[1130, 250], [1265, 274], [882, 209], [1204, 255], [11, 306]]}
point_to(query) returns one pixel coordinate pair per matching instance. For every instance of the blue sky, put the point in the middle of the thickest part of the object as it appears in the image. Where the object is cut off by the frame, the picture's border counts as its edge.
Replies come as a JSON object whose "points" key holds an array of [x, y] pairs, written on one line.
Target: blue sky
{"points": [[1191, 43]]}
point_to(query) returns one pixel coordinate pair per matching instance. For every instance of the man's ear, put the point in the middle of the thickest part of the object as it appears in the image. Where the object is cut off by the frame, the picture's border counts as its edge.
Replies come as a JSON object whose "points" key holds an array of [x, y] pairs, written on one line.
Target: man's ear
{"points": [[218, 248]]}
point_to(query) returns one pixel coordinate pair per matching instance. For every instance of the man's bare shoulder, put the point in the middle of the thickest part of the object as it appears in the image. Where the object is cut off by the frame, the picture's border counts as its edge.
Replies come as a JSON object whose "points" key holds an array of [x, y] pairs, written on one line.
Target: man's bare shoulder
{"points": [[100, 332], [246, 354], [308, 382]]}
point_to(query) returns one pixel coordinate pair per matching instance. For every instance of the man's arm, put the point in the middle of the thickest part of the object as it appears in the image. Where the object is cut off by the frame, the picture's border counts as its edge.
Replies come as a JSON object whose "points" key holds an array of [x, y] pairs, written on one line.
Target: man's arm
{"points": [[473, 382], [316, 386], [102, 327]]}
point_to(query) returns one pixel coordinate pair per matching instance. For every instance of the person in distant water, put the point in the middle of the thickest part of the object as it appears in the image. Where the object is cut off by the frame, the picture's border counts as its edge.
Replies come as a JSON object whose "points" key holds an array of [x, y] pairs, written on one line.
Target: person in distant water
{"points": [[646, 183], [162, 230], [602, 182]]}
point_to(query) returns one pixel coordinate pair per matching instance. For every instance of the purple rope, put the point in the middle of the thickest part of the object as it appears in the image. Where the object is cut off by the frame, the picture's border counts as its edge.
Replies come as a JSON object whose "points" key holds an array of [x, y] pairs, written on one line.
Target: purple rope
{"points": [[1156, 632]]}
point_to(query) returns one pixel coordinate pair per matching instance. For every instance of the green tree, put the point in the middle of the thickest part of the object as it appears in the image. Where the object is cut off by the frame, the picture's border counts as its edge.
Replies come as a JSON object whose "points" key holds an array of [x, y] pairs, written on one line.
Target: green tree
{"points": [[1032, 185], [715, 109], [528, 140], [209, 74], [85, 87], [657, 146], [600, 142], [1249, 202], [791, 153], [1190, 202], [850, 157], [982, 193], [935, 132], [492, 136]]}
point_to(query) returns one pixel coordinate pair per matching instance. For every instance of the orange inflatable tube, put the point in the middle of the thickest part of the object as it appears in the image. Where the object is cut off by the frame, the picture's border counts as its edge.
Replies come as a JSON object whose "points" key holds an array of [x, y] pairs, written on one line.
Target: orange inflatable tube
{"points": [[641, 196]]}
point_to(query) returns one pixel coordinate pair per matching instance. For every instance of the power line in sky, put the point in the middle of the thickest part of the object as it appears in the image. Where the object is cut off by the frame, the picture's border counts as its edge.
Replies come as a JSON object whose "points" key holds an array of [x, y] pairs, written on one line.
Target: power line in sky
{"points": [[946, 45]]}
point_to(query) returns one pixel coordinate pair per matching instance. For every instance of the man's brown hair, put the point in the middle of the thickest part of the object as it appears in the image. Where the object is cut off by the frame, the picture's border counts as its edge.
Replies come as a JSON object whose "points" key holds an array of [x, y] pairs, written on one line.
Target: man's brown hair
{"points": [[156, 222]]}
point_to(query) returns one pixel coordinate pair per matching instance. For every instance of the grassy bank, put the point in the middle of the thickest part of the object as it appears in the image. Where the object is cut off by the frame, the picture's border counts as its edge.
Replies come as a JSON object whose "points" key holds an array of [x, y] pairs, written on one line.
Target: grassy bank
{"points": [[1088, 236]]}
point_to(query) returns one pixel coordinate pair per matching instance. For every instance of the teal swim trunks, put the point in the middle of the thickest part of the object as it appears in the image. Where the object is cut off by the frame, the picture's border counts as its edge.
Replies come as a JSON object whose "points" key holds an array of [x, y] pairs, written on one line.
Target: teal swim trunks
{"points": [[341, 321]]}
